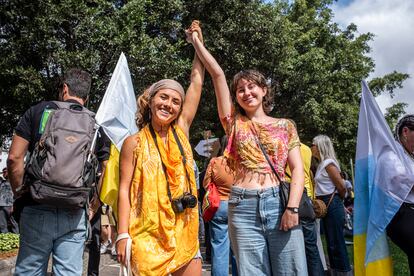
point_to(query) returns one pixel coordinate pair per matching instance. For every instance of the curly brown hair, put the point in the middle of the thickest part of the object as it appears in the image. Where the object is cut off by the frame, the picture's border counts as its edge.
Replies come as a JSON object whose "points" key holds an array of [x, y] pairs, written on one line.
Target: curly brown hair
{"points": [[259, 79], [143, 115]]}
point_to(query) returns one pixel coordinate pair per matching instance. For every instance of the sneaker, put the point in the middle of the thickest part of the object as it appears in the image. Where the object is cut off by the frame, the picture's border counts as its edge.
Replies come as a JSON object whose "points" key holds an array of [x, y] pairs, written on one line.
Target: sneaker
{"points": [[113, 251], [348, 242], [105, 246]]}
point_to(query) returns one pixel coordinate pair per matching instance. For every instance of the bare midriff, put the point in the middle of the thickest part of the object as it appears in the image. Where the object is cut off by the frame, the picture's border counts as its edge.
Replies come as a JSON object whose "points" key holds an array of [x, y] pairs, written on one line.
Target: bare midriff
{"points": [[252, 180]]}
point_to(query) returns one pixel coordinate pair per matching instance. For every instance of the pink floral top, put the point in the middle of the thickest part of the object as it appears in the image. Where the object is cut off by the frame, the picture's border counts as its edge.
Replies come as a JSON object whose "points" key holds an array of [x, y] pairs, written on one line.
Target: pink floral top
{"points": [[243, 151]]}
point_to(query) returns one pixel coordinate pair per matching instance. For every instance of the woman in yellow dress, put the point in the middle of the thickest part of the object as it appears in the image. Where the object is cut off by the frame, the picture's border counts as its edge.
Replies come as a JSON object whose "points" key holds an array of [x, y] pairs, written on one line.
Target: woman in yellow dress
{"points": [[157, 195]]}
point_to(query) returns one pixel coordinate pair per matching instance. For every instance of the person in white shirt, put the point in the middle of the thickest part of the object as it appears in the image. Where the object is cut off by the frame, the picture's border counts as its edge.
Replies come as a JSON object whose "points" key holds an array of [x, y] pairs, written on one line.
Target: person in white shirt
{"points": [[330, 188]]}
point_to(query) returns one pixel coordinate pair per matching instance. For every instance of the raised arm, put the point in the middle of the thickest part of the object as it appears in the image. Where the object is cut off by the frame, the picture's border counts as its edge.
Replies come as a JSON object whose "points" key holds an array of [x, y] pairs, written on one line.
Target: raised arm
{"points": [[192, 97], [224, 102]]}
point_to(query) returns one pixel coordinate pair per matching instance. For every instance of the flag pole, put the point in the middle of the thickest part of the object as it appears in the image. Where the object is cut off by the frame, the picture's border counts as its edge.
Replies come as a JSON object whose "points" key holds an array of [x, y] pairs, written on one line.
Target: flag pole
{"points": [[352, 170]]}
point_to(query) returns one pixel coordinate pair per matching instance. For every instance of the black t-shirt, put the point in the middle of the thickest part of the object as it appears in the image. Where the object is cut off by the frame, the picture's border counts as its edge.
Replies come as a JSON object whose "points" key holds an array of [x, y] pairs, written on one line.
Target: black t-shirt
{"points": [[103, 146]]}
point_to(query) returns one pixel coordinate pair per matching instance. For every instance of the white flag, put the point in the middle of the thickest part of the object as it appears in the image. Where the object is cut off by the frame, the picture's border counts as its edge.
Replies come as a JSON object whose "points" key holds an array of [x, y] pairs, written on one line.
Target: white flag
{"points": [[116, 114]]}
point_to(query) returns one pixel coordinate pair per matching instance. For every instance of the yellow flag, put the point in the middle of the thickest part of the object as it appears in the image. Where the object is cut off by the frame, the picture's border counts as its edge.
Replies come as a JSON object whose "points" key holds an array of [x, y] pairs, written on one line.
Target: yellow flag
{"points": [[110, 183], [380, 266]]}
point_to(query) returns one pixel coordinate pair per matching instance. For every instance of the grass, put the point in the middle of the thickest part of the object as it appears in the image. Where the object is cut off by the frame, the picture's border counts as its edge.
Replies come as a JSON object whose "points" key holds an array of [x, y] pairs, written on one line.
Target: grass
{"points": [[399, 259]]}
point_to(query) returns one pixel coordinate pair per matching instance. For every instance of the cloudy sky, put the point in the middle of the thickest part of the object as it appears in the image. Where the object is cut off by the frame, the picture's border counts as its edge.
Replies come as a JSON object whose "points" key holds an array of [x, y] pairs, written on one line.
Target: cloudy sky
{"points": [[392, 23]]}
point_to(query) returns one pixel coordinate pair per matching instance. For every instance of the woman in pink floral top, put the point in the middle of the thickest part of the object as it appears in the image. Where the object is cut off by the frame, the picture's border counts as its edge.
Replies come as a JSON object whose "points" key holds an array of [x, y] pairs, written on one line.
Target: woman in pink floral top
{"points": [[265, 239]]}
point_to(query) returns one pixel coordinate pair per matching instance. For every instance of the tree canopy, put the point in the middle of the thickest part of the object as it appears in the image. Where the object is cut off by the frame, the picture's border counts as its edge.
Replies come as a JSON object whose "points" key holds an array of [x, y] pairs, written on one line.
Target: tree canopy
{"points": [[314, 66]]}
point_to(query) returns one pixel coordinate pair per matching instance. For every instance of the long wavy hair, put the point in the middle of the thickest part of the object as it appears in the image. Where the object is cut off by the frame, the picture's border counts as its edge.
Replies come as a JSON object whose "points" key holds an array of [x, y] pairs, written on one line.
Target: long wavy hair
{"points": [[258, 78]]}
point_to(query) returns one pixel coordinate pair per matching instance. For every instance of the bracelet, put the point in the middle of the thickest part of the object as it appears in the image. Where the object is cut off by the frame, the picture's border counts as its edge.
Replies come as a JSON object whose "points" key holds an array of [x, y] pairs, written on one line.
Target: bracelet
{"points": [[122, 236], [294, 210]]}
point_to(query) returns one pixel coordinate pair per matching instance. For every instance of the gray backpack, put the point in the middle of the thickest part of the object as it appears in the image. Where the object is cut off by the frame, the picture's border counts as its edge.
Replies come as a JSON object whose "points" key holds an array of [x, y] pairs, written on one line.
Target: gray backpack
{"points": [[62, 168]]}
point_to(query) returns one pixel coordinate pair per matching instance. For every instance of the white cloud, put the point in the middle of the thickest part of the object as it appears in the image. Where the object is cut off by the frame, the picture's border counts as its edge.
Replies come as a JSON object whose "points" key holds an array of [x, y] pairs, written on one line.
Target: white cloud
{"points": [[392, 23]]}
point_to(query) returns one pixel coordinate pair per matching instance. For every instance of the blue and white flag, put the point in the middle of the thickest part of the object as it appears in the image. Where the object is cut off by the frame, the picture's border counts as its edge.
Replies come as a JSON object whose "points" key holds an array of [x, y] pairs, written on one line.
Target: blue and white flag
{"points": [[384, 175]]}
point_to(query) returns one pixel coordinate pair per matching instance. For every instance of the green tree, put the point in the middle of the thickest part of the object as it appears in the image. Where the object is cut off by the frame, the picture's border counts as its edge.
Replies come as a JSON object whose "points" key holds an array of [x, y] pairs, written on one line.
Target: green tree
{"points": [[41, 39], [314, 66], [387, 83], [393, 113]]}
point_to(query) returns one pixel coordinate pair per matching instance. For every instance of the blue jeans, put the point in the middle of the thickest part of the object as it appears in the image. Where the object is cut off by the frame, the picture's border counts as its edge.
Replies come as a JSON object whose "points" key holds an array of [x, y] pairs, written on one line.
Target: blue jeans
{"points": [[333, 224], [258, 244], [220, 243], [45, 230], [313, 259]]}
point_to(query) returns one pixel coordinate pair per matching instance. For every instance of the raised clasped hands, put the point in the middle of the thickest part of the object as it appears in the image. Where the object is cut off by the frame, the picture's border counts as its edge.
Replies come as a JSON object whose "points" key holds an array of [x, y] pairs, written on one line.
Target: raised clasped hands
{"points": [[193, 32]]}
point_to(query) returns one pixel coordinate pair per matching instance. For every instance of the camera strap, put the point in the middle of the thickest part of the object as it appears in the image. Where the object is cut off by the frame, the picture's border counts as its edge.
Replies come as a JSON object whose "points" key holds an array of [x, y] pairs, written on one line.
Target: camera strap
{"points": [[184, 160], [154, 136]]}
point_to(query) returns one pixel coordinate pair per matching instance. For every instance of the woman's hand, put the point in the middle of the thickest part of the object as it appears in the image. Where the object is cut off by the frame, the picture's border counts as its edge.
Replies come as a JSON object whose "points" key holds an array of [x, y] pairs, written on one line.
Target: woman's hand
{"points": [[94, 205], [121, 251], [289, 220], [194, 31]]}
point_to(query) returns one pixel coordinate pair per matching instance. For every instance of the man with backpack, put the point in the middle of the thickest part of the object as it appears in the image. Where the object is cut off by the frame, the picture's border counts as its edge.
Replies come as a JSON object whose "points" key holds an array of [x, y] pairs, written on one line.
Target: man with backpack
{"points": [[54, 187]]}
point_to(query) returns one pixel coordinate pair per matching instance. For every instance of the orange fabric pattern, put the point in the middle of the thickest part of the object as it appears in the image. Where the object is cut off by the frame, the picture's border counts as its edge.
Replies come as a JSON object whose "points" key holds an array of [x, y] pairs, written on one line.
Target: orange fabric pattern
{"points": [[162, 241], [220, 173]]}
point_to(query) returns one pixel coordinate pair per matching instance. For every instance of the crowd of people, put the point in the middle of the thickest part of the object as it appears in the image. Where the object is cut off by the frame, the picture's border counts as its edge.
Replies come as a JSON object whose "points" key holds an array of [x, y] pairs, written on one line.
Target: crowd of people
{"points": [[158, 216]]}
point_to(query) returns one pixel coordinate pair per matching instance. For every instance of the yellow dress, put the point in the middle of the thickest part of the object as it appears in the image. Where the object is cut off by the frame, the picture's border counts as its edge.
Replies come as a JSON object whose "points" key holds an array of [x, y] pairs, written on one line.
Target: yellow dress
{"points": [[162, 241]]}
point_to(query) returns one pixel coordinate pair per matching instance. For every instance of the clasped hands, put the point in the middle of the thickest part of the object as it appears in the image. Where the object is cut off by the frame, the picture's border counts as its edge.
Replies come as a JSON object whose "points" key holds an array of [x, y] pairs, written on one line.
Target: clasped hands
{"points": [[194, 31]]}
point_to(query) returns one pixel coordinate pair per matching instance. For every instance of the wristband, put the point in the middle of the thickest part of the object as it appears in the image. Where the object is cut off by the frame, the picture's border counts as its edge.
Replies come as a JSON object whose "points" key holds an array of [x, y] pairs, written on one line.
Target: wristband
{"points": [[122, 236], [125, 270], [294, 210]]}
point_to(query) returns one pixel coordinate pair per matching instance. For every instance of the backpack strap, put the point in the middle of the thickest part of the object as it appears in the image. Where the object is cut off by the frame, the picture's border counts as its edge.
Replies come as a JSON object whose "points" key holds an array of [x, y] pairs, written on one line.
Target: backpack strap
{"points": [[73, 106], [68, 105]]}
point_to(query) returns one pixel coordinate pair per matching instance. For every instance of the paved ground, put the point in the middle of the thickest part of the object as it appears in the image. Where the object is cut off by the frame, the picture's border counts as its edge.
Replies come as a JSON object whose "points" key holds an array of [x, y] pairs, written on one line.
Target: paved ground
{"points": [[110, 267], [107, 267]]}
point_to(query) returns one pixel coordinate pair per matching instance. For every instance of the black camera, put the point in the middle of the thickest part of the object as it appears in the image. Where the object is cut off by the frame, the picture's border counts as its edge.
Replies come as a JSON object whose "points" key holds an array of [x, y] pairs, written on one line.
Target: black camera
{"points": [[187, 200]]}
